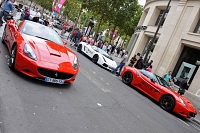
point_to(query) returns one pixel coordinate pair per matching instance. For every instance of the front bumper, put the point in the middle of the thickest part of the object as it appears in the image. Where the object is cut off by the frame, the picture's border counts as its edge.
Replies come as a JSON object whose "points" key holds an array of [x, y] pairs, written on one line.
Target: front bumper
{"points": [[42, 69], [187, 111]]}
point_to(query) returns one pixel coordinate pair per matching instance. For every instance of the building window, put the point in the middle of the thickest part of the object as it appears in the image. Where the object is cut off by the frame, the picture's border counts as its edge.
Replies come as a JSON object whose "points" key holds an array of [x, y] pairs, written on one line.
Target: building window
{"points": [[197, 29], [160, 16]]}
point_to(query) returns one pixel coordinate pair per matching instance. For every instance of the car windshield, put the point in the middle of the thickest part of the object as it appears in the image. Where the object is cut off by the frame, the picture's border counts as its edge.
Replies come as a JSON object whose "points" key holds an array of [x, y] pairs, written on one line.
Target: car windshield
{"points": [[154, 77], [41, 31], [162, 81], [149, 75], [101, 51]]}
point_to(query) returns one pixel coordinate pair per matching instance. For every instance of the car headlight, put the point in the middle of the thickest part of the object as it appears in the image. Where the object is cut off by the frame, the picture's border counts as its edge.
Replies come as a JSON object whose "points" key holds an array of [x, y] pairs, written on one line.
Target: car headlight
{"points": [[29, 52], [181, 100], [75, 62]]}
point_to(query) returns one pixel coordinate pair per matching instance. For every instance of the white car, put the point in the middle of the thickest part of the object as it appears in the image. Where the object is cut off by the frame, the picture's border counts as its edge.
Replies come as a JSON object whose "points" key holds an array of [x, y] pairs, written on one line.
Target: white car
{"points": [[98, 56]]}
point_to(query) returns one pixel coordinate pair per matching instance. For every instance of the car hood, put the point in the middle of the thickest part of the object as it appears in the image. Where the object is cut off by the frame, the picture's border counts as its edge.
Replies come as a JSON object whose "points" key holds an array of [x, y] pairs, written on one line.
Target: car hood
{"points": [[49, 51]]}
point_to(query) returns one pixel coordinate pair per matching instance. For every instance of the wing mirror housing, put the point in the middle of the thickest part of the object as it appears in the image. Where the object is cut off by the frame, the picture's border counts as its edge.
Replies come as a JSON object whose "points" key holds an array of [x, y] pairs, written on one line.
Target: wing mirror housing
{"points": [[64, 42]]}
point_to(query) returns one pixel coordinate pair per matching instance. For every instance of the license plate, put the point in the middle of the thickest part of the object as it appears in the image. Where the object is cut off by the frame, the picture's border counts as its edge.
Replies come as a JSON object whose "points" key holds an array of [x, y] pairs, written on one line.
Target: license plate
{"points": [[53, 80]]}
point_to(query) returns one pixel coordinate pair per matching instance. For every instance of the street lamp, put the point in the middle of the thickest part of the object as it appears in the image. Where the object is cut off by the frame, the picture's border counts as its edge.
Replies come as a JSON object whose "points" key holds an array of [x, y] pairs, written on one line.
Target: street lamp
{"points": [[150, 44]]}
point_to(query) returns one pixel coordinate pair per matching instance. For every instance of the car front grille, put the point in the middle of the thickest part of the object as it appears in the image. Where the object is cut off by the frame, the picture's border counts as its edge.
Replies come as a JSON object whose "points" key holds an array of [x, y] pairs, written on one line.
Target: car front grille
{"points": [[54, 74]]}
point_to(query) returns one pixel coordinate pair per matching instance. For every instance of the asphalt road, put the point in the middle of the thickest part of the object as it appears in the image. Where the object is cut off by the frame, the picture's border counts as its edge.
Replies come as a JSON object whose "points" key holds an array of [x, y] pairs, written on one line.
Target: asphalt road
{"points": [[97, 102]]}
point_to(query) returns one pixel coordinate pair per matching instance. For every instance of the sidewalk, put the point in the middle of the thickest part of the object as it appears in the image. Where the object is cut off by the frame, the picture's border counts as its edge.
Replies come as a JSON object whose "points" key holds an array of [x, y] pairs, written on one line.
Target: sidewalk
{"points": [[194, 99]]}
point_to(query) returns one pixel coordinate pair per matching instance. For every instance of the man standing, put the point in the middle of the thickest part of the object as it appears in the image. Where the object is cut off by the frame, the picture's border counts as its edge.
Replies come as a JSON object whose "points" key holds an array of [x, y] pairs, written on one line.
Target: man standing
{"points": [[168, 76], [183, 86], [5, 11], [37, 16], [122, 63]]}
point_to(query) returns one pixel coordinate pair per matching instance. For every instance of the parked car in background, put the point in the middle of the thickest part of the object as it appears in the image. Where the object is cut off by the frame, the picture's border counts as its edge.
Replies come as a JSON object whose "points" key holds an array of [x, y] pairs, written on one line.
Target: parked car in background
{"points": [[97, 55]]}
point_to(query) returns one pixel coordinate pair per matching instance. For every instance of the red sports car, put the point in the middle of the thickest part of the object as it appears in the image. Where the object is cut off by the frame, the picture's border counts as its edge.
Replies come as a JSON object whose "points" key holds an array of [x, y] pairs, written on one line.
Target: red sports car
{"points": [[156, 88], [39, 52]]}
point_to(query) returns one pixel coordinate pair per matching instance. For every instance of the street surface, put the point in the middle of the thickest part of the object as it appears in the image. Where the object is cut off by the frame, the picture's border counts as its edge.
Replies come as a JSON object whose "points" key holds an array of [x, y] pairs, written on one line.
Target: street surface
{"points": [[97, 102]]}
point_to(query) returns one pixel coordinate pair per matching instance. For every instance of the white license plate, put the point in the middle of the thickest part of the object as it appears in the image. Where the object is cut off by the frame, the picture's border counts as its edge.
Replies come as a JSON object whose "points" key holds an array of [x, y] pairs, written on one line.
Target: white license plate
{"points": [[53, 80]]}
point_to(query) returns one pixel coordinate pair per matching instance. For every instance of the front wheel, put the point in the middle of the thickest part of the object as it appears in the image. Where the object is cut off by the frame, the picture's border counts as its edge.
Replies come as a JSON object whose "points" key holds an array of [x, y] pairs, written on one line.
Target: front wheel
{"points": [[167, 102], [3, 36], [95, 59], [127, 78], [11, 63]]}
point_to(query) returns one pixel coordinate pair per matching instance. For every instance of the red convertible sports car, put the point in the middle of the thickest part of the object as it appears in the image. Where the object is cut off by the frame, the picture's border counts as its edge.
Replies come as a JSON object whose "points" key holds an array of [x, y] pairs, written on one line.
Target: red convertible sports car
{"points": [[156, 88], [39, 52]]}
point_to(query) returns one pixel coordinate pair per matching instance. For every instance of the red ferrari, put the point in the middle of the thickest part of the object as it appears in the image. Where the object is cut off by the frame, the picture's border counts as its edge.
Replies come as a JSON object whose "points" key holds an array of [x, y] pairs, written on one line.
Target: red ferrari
{"points": [[39, 52], [156, 88]]}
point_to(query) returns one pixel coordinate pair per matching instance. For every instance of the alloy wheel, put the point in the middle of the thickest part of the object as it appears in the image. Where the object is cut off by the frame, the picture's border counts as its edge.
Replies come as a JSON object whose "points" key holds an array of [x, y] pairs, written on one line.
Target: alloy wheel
{"points": [[167, 103], [95, 59], [127, 78], [12, 58]]}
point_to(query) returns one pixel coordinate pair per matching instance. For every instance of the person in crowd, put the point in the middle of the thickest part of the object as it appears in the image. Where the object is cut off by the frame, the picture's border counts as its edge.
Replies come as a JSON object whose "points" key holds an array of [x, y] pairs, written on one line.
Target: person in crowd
{"points": [[51, 24], [149, 68], [171, 84], [108, 48], [148, 64], [7, 7], [132, 61], [121, 65], [104, 47], [183, 86], [27, 13], [118, 51], [78, 37], [37, 16], [46, 22], [140, 63], [123, 52], [112, 49], [167, 76]]}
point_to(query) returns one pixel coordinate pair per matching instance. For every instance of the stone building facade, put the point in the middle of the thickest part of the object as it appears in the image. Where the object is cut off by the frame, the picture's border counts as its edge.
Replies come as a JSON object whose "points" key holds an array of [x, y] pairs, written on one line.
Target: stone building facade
{"points": [[177, 45]]}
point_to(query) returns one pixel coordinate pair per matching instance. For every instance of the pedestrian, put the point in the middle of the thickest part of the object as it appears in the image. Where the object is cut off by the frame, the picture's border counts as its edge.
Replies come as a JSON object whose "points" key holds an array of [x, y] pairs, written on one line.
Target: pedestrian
{"points": [[183, 86], [167, 76], [121, 65], [37, 16], [46, 22], [140, 63], [149, 68], [148, 64], [27, 13], [7, 7], [108, 48], [171, 84], [132, 61]]}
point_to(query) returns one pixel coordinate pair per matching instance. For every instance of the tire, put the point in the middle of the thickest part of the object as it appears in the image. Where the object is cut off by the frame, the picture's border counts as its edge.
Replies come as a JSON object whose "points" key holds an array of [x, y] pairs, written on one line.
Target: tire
{"points": [[127, 78], [3, 36], [95, 58], [167, 103], [79, 48], [12, 58]]}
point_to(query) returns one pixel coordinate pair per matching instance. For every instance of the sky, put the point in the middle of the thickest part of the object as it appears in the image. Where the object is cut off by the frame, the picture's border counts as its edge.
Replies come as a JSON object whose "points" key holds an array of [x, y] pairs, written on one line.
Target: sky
{"points": [[141, 2]]}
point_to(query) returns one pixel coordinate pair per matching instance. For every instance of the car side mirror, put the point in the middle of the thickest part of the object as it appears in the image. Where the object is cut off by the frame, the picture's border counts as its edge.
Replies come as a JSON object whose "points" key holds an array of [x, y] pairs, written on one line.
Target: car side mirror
{"points": [[64, 42]]}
